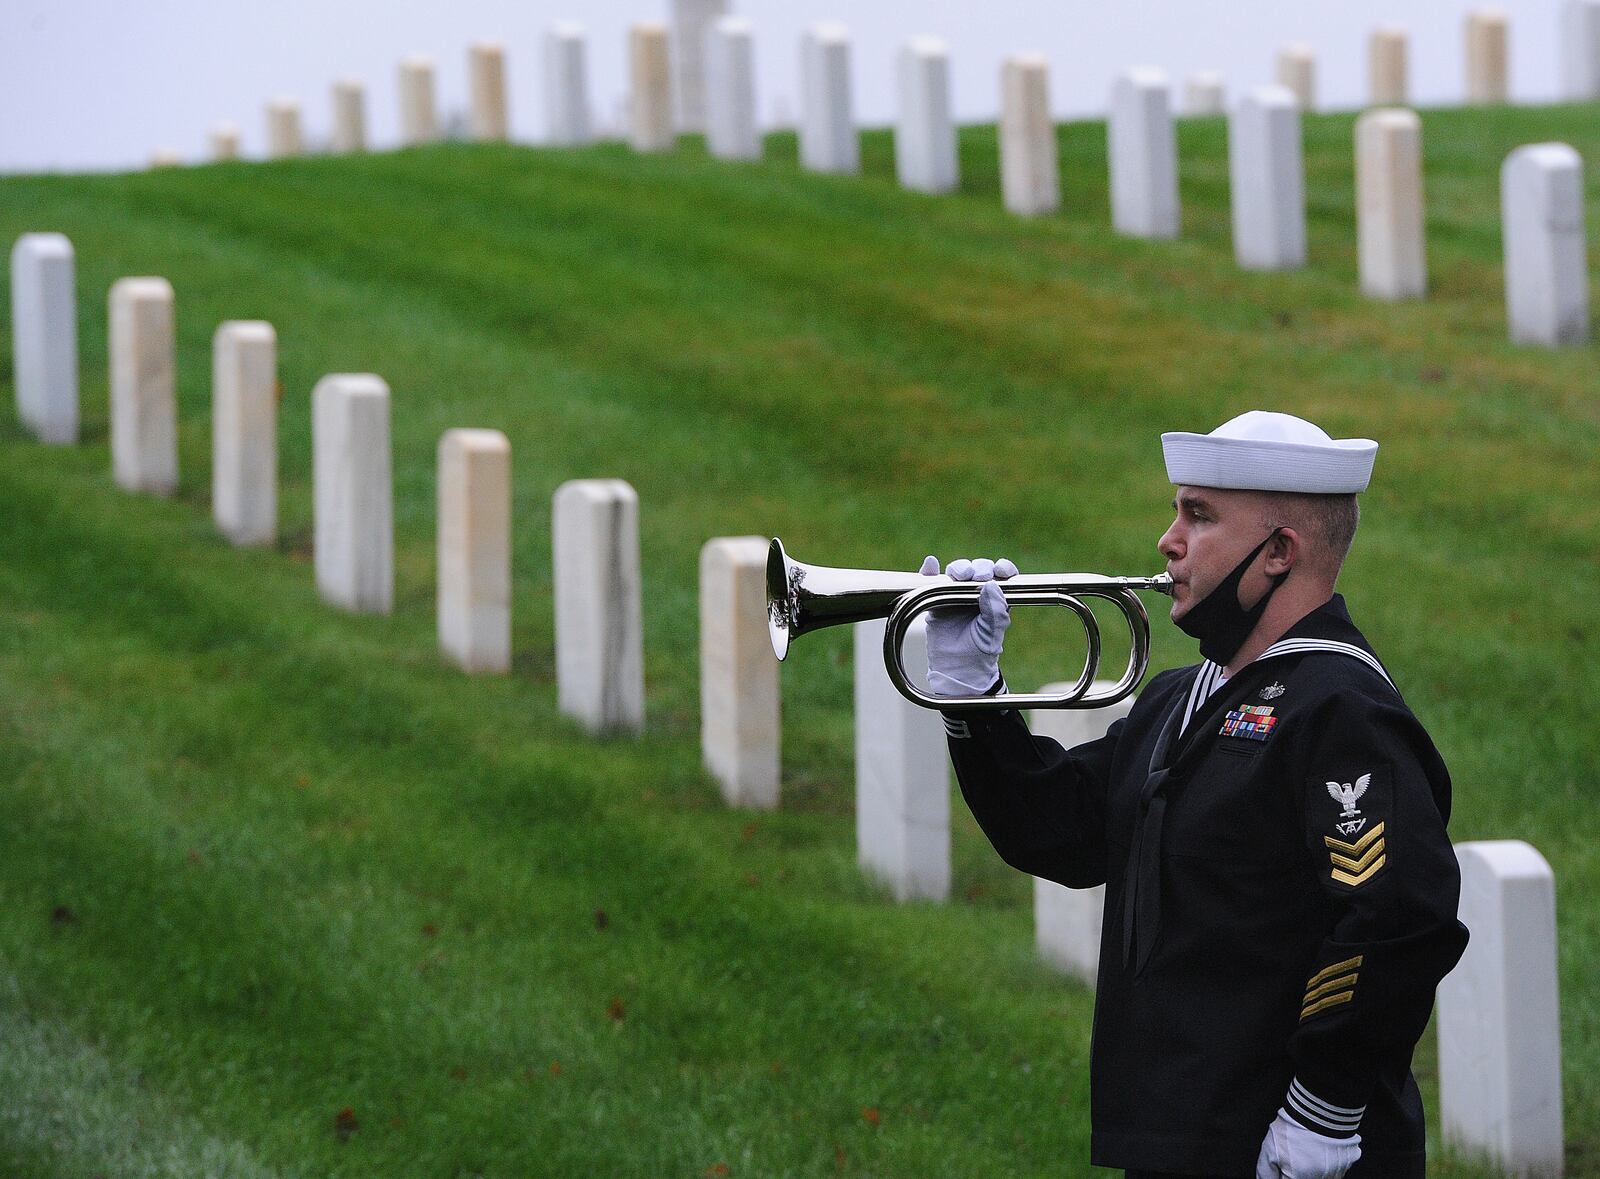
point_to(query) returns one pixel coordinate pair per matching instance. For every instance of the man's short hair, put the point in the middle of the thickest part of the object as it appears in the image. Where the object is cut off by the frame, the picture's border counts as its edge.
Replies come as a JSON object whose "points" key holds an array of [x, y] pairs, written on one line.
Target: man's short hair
{"points": [[1327, 521]]}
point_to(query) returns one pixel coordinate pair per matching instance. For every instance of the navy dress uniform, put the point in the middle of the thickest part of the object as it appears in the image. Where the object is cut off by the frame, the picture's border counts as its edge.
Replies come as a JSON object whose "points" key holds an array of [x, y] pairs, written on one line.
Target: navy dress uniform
{"points": [[1281, 892]]}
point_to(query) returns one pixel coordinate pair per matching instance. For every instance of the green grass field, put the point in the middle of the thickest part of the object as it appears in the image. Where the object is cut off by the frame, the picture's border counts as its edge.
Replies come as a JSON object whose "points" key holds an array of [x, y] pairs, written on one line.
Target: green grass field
{"points": [[263, 863]]}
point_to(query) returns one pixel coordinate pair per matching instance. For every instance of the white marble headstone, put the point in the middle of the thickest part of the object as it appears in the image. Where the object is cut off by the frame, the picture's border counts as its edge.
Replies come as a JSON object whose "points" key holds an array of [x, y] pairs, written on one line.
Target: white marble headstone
{"points": [[349, 117], [419, 112], [284, 138], [475, 550], [739, 712], [1390, 236], [1546, 261], [224, 139], [1067, 921], [488, 120], [598, 615], [1030, 169], [352, 492], [566, 86], [650, 93], [1297, 73], [244, 431], [902, 772], [1143, 154], [1205, 94], [1387, 67], [44, 336], [730, 91], [925, 137], [1580, 50], [1488, 56], [144, 404], [692, 20], [1499, 1015], [1266, 172], [828, 138]]}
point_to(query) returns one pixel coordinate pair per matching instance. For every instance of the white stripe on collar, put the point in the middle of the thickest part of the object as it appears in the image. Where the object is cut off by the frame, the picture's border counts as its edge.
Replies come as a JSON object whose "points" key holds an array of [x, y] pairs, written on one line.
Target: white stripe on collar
{"points": [[1205, 683], [1301, 646], [1210, 676]]}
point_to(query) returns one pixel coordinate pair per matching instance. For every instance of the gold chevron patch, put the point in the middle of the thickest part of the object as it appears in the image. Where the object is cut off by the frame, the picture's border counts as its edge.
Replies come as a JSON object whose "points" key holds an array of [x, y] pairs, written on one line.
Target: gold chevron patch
{"points": [[1344, 967], [1356, 863], [1332, 986]]}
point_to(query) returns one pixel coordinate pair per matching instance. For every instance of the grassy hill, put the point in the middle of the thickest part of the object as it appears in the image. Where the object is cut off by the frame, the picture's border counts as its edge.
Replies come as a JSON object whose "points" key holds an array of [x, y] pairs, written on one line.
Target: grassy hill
{"points": [[283, 896]]}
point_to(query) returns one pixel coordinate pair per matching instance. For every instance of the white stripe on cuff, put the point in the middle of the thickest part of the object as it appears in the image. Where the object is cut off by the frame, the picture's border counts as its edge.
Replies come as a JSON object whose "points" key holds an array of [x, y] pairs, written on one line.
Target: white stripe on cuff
{"points": [[1339, 1120], [956, 728]]}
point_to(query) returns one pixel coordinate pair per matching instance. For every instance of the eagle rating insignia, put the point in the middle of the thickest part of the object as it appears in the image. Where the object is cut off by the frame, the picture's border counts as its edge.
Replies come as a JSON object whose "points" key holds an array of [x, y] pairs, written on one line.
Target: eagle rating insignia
{"points": [[1346, 795], [1359, 850]]}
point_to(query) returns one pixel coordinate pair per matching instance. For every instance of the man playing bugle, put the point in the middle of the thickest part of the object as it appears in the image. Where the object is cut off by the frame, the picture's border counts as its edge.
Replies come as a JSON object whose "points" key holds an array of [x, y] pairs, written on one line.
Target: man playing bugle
{"points": [[1269, 824]]}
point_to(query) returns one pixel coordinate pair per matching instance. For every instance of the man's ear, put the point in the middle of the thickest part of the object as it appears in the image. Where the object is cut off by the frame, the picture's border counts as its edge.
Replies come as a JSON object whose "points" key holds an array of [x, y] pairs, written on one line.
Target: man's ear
{"points": [[1284, 552]]}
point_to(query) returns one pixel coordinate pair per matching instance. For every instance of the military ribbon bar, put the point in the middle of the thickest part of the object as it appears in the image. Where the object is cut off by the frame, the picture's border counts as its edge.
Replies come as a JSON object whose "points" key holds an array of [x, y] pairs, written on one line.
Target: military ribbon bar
{"points": [[1253, 721]]}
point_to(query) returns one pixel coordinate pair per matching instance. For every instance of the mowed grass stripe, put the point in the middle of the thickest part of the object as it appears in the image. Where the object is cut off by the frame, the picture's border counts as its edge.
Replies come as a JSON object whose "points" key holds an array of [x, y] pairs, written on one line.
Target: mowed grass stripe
{"points": [[324, 885]]}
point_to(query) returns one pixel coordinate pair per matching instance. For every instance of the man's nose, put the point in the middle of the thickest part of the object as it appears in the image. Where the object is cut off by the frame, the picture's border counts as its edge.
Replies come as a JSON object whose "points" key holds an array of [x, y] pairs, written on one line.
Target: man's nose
{"points": [[1169, 545]]}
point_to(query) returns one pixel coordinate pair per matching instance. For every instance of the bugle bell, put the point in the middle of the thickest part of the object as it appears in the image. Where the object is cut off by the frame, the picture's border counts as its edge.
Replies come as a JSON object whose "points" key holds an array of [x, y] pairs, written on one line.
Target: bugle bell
{"points": [[803, 598]]}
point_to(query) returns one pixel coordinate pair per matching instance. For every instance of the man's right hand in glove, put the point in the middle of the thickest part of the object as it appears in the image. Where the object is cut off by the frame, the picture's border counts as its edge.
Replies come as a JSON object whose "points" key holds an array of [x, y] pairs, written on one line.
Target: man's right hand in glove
{"points": [[964, 644]]}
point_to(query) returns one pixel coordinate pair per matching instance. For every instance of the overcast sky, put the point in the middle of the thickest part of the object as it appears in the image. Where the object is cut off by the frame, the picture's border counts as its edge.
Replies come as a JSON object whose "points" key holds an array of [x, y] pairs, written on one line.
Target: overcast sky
{"points": [[103, 83]]}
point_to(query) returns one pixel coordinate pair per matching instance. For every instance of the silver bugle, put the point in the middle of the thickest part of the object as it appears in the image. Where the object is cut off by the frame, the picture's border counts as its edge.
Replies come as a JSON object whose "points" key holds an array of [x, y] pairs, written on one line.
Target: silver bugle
{"points": [[802, 598]]}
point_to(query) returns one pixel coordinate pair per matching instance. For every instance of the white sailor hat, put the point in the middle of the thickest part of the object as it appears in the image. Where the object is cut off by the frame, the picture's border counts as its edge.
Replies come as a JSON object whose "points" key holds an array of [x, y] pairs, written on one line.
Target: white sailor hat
{"points": [[1261, 451]]}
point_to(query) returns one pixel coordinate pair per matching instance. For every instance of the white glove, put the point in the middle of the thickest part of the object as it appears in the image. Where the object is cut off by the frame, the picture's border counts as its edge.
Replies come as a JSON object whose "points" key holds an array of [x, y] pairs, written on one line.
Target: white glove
{"points": [[1291, 1151], [964, 644]]}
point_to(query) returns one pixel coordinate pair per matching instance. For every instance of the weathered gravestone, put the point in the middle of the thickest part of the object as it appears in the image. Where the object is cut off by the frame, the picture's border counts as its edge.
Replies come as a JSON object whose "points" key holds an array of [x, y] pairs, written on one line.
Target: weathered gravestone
{"points": [[486, 68], [1389, 208], [1546, 261], [925, 138], [1499, 1014], [1297, 73], [1267, 175], [1067, 921], [1387, 68], [419, 114], [1143, 152], [144, 405], [1488, 57], [902, 772], [283, 128], [730, 91], [566, 86], [650, 93], [1030, 169], [739, 712], [44, 336], [599, 633], [828, 140], [352, 492], [474, 600], [349, 117], [244, 432]]}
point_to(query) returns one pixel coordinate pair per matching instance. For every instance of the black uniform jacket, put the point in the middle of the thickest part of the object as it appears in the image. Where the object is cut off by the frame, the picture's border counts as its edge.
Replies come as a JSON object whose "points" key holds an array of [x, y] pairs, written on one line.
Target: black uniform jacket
{"points": [[1280, 898]]}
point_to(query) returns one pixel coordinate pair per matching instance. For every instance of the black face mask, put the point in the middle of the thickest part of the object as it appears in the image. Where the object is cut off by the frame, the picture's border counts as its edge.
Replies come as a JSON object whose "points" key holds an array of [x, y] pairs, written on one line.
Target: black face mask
{"points": [[1219, 621]]}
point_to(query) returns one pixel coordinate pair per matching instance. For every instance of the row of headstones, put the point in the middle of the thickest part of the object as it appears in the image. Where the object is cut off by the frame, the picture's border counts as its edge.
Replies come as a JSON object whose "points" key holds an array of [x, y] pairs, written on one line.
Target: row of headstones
{"points": [[353, 529], [487, 119], [708, 63], [1499, 1025], [1499, 1041]]}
